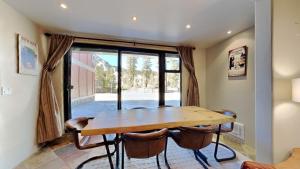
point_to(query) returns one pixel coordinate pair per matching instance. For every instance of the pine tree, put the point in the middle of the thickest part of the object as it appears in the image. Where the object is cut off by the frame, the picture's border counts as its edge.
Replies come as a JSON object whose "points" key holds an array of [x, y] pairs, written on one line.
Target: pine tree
{"points": [[131, 62], [147, 71]]}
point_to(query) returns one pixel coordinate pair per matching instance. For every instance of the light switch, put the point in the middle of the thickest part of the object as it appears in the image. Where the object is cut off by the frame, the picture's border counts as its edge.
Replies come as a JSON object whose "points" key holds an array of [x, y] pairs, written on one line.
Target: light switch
{"points": [[5, 91]]}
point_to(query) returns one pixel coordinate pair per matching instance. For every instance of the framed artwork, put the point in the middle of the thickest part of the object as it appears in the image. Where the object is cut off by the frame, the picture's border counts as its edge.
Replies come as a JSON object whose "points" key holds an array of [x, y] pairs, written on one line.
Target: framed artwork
{"points": [[27, 56], [237, 62]]}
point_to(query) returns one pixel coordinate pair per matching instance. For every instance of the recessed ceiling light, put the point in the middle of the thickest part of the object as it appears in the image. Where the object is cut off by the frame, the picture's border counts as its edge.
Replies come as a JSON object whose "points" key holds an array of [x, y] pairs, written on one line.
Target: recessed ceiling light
{"points": [[134, 18], [188, 26], [229, 32], [64, 6]]}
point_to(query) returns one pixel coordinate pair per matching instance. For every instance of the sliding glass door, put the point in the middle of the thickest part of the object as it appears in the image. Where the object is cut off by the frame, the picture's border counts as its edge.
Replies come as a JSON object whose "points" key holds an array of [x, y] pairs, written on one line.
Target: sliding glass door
{"points": [[172, 80], [94, 81], [140, 80], [102, 78]]}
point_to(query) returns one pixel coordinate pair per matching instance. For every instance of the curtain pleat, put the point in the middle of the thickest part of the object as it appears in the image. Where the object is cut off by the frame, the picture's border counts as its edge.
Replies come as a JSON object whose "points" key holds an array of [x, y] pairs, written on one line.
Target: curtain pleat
{"points": [[49, 122], [186, 55]]}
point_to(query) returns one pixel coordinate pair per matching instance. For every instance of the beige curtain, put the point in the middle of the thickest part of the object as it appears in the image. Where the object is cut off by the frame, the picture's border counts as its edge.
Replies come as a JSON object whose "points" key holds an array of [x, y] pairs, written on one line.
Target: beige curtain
{"points": [[186, 55], [50, 123]]}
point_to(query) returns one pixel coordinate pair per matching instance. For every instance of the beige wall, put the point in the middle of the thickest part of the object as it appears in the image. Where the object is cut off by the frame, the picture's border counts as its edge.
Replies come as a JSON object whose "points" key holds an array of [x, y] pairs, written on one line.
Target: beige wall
{"points": [[286, 60], [18, 112], [235, 94], [200, 69]]}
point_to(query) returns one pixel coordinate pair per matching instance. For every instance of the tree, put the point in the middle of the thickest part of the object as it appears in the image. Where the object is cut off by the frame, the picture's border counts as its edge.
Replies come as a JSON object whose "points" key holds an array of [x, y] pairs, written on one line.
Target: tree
{"points": [[99, 78], [111, 84], [147, 70], [105, 80], [174, 64], [173, 78], [131, 62]]}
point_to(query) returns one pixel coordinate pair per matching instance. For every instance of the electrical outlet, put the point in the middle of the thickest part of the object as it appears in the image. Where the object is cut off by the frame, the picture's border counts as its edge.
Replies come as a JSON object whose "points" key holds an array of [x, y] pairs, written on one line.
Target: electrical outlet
{"points": [[5, 91]]}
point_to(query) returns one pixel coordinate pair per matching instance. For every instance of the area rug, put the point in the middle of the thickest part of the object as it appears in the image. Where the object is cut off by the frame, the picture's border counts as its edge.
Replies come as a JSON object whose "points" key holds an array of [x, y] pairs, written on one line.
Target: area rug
{"points": [[178, 158]]}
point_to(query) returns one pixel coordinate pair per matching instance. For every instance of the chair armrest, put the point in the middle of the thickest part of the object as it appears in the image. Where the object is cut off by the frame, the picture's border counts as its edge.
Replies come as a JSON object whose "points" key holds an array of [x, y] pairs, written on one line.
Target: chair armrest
{"points": [[255, 165]]}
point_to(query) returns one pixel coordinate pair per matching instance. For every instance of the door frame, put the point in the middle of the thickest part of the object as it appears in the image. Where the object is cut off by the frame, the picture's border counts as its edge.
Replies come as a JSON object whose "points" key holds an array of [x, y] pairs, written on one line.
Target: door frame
{"points": [[162, 70]]}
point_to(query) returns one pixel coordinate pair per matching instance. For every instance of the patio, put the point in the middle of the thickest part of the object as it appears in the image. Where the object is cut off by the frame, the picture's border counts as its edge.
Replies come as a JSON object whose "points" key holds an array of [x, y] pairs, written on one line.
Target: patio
{"points": [[108, 102]]}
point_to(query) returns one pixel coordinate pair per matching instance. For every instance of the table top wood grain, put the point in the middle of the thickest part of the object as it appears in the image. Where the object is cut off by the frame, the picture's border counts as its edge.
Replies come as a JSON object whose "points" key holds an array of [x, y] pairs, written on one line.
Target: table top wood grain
{"points": [[124, 121]]}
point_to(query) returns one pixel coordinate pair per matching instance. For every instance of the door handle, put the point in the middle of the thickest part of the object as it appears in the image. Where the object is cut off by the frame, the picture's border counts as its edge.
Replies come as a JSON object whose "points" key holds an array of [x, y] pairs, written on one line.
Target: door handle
{"points": [[70, 87]]}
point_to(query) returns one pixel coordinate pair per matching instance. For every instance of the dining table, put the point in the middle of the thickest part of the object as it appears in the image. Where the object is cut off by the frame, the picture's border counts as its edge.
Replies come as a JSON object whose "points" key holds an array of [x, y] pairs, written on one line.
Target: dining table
{"points": [[137, 120]]}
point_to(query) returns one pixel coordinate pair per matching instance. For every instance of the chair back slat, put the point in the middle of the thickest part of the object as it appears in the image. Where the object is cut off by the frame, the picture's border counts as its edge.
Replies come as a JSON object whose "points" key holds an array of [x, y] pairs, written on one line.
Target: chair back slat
{"points": [[194, 137], [145, 145]]}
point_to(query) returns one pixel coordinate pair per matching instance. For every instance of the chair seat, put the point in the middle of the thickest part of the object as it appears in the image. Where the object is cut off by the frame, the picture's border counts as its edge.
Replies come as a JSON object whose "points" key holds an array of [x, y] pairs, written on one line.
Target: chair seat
{"points": [[193, 137]]}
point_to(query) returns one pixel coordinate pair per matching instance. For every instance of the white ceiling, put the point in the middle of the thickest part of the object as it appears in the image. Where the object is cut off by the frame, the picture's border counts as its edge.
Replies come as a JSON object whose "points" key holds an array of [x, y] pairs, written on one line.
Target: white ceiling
{"points": [[157, 20]]}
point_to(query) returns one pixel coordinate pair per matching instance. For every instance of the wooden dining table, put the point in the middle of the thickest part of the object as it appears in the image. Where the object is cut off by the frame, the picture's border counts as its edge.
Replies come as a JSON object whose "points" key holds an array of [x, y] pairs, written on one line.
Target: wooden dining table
{"points": [[137, 120]]}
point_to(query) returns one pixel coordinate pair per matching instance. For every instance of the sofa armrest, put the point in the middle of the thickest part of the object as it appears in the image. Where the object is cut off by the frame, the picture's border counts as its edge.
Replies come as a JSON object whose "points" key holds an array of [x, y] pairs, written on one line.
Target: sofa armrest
{"points": [[255, 165]]}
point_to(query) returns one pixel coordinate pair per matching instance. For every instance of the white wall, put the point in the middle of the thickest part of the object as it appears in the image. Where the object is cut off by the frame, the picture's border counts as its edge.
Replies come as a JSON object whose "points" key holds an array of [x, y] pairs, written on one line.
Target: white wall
{"points": [[263, 81], [286, 60], [18, 112], [236, 94]]}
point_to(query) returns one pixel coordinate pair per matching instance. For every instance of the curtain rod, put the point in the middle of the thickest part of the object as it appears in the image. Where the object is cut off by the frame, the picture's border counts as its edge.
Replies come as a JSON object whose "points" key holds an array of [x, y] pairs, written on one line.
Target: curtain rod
{"points": [[121, 41]]}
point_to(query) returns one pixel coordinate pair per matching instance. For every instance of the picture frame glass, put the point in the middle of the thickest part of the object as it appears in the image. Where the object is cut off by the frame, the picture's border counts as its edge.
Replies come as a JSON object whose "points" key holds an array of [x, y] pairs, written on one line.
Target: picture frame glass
{"points": [[28, 56], [237, 62]]}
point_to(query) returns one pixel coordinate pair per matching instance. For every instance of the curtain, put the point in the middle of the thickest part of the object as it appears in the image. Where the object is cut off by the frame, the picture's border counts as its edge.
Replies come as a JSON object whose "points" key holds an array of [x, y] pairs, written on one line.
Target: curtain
{"points": [[50, 122], [186, 55]]}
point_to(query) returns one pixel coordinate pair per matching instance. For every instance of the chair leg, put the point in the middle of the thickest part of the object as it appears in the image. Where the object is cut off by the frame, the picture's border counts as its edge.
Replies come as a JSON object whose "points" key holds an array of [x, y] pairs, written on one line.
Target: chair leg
{"points": [[202, 157], [165, 154], [122, 152], [94, 158], [228, 148], [90, 159], [157, 161], [108, 152], [199, 160], [117, 151]]}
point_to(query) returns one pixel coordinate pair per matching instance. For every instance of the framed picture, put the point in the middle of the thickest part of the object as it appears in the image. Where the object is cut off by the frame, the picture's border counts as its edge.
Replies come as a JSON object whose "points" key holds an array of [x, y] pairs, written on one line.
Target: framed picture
{"points": [[237, 62], [28, 56]]}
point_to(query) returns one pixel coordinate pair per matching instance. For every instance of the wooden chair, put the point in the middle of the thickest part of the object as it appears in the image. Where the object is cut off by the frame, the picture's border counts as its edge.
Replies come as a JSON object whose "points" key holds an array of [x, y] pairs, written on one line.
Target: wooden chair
{"points": [[194, 138], [224, 128], [145, 145], [75, 126]]}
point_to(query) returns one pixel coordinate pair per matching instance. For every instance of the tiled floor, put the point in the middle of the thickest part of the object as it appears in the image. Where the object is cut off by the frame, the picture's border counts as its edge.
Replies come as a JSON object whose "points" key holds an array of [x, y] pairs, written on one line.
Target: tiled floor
{"points": [[65, 156]]}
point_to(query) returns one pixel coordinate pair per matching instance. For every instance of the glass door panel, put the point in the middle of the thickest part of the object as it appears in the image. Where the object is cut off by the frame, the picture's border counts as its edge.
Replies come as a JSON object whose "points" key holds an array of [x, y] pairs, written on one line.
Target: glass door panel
{"points": [[140, 80], [94, 77], [172, 89]]}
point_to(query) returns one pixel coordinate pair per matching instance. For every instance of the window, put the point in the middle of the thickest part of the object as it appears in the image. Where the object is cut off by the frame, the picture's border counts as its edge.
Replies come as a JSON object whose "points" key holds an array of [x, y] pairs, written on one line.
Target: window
{"points": [[172, 80], [105, 78], [172, 62]]}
